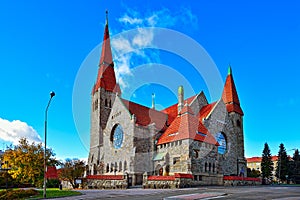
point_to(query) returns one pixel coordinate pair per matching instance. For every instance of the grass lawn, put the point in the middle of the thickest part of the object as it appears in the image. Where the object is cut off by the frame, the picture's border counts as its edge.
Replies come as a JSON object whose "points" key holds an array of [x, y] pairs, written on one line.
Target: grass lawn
{"points": [[54, 192]]}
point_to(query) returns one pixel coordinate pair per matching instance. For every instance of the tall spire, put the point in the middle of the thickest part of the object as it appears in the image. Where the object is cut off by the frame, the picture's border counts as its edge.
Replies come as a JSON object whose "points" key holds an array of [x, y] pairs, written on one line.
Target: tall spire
{"points": [[230, 96], [106, 75]]}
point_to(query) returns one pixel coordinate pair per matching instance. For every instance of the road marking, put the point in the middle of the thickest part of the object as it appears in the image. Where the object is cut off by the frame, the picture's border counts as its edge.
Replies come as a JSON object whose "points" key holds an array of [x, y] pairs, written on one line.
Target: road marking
{"points": [[205, 195]]}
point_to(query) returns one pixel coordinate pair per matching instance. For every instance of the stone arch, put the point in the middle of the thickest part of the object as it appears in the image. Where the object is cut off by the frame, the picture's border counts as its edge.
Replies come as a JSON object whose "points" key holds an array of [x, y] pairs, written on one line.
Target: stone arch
{"points": [[158, 170]]}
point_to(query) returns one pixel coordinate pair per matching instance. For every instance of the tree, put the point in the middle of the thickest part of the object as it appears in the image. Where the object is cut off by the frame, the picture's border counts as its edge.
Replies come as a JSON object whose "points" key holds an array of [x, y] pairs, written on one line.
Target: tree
{"points": [[72, 170], [253, 173], [282, 165], [266, 163], [295, 167], [27, 162]]}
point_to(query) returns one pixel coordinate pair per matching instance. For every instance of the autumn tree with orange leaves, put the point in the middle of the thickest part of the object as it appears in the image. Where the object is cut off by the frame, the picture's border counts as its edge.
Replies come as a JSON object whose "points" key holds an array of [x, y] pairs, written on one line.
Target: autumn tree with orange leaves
{"points": [[26, 162]]}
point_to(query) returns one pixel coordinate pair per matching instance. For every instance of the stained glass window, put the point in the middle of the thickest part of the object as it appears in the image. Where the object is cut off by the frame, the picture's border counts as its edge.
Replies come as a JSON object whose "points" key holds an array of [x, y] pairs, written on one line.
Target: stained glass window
{"points": [[118, 136], [222, 142]]}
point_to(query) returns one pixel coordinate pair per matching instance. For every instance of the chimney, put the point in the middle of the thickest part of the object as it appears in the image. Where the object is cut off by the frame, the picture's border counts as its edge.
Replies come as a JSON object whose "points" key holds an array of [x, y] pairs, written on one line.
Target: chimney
{"points": [[180, 98], [153, 101]]}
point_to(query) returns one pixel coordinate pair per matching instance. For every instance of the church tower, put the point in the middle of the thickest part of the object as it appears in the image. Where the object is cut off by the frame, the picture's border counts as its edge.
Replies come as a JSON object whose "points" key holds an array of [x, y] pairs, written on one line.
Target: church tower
{"points": [[102, 98], [231, 100]]}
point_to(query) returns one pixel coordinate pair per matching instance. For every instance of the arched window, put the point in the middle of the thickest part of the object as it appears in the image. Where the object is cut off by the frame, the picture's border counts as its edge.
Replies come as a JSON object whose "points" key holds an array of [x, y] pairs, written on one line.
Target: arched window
{"points": [[205, 167], [116, 167], [110, 103], [125, 165], [221, 138], [120, 166], [209, 167], [214, 168], [116, 136], [95, 169], [111, 167], [105, 103], [107, 168], [238, 123]]}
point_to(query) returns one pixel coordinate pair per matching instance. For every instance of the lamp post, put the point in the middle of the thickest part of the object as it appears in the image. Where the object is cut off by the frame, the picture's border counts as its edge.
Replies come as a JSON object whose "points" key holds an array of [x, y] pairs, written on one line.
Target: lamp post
{"points": [[52, 94]]}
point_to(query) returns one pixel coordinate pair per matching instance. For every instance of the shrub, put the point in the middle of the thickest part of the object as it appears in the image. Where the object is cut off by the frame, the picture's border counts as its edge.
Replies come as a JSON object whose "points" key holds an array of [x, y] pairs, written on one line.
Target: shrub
{"points": [[53, 183], [17, 194]]}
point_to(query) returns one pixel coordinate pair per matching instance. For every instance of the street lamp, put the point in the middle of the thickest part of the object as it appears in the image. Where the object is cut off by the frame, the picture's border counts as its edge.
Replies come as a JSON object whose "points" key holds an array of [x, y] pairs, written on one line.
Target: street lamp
{"points": [[52, 94]]}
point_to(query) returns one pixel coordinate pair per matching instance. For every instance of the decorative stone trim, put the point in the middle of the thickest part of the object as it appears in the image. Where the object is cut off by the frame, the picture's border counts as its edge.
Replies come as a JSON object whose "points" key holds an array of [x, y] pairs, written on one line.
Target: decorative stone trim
{"points": [[238, 181]]}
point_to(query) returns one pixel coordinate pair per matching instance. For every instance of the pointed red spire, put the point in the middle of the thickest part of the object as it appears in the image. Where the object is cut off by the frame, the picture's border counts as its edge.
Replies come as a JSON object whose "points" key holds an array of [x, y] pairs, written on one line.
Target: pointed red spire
{"points": [[230, 96], [106, 75]]}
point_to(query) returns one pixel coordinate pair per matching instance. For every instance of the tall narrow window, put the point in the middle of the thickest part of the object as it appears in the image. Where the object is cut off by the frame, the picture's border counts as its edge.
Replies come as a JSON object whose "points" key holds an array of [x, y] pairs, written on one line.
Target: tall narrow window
{"points": [[220, 137]]}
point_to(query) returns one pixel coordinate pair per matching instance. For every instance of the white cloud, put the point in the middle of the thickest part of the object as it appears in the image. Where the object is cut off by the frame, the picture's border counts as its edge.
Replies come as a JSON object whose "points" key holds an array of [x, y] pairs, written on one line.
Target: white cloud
{"points": [[130, 51], [14, 130], [130, 20], [143, 38]]}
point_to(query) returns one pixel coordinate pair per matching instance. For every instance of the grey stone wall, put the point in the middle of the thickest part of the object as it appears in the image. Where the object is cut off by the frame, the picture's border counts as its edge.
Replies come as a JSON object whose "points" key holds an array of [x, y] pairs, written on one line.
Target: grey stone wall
{"points": [[119, 160], [198, 102]]}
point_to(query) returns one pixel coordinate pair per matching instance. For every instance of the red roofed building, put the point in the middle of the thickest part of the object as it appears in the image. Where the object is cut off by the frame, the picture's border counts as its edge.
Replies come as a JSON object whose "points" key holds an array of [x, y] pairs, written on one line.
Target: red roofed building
{"points": [[191, 137], [255, 163]]}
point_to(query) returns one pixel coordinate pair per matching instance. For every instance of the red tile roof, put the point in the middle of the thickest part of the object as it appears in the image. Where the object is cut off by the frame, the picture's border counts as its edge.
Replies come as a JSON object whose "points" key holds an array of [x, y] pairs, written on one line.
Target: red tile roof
{"points": [[145, 116], [172, 111], [230, 96], [258, 159], [205, 110], [186, 126], [106, 75]]}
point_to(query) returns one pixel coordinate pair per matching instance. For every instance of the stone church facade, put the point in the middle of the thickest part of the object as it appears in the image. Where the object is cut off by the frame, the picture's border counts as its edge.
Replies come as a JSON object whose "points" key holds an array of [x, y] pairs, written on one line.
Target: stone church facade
{"points": [[193, 136]]}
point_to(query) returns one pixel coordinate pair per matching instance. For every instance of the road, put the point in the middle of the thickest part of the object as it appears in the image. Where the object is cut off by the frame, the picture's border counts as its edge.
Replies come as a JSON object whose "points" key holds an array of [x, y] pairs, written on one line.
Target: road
{"points": [[223, 193]]}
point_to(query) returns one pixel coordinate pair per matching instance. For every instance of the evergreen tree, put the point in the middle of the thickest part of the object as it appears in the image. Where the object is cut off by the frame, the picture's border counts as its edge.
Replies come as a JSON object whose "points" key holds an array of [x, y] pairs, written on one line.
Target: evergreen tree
{"points": [[266, 163], [282, 168], [295, 167]]}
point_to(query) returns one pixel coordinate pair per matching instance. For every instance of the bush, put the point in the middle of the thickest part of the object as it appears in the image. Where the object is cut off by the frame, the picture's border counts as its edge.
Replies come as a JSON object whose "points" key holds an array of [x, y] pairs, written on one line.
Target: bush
{"points": [[53, 183], [17, 194]]}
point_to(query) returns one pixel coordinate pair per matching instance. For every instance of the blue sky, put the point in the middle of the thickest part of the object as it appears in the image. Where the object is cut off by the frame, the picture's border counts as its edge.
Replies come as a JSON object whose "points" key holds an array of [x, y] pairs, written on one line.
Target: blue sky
{"points": [[44, 46]]}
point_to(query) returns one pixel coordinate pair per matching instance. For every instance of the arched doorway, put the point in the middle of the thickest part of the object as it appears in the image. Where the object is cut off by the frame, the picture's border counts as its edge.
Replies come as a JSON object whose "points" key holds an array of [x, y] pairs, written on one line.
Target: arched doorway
{"points": [[159, 170]]}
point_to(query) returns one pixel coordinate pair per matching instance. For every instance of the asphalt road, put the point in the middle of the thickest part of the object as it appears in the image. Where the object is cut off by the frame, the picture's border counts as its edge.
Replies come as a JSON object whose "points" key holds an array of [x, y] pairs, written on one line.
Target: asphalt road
{"points": [[243, 192]]}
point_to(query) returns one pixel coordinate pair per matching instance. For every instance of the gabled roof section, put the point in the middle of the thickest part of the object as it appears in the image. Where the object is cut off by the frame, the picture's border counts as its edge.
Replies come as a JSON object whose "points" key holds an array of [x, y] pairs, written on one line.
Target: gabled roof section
{"points": [[106, 75], [146, 116], [172, 111], [186, 126], [206, 110], [230, 96]]}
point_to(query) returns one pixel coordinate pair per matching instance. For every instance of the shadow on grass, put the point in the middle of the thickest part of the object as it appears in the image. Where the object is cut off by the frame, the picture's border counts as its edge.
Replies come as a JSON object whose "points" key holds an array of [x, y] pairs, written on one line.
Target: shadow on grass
{"points": [[55, 193]]}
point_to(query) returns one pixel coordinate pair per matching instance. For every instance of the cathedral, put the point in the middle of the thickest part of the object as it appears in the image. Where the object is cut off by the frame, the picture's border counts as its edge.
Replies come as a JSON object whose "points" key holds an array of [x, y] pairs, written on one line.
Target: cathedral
{"points": [[193, 136]]}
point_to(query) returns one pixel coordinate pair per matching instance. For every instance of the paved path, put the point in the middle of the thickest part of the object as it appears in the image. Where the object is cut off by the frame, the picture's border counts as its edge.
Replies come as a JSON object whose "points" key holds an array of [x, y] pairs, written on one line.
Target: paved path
{"points": [[210, 192]]}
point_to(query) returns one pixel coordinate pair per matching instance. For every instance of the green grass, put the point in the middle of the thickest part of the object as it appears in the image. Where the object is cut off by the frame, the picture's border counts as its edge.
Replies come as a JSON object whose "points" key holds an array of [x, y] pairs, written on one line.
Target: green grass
{"points": [[54, 192]]}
